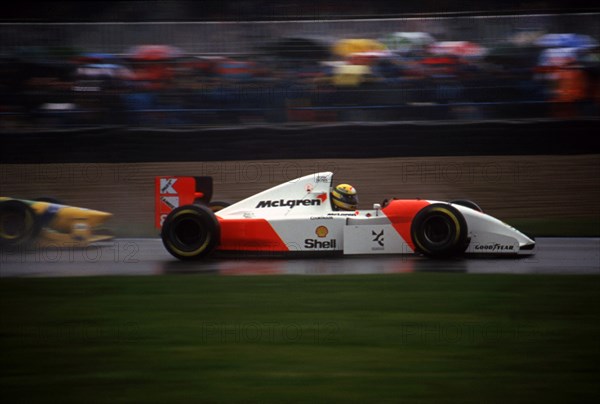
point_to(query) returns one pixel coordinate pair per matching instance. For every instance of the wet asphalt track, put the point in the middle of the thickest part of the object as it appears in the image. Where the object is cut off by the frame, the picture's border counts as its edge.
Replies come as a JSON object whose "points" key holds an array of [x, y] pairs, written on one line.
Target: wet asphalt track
{"points": [[148, 257]]}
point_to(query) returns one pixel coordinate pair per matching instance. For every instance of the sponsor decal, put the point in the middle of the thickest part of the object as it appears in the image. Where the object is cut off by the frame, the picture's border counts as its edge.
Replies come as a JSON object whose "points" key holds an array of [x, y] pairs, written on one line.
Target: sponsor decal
{"points": [[46, 217], [321, 178], [342, 214], [309, 187], [321, 218], [315, 244], [322, 231], [166, 186], [377, 240], [322, 197], [288, 203], [494, 247], [172, 202]]}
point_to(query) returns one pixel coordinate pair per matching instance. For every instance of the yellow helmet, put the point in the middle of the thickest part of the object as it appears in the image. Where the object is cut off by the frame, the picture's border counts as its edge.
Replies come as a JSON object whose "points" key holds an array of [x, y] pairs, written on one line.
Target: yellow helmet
{"points": [[344, 197]]}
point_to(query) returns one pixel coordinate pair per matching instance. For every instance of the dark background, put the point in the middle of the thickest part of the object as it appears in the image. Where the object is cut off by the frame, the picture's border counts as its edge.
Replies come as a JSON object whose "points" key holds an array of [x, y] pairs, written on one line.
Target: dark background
{"points": [[113, 145], [267, 10]]}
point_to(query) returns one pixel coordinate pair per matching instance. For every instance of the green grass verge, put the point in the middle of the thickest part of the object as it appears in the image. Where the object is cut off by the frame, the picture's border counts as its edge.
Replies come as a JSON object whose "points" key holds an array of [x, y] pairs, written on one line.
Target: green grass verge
{"points": [[402, 338]]}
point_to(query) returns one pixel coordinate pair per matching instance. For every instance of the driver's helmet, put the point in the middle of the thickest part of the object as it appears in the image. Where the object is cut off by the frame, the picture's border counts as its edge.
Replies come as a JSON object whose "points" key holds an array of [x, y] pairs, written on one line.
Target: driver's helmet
{"points": [[344, 197]]}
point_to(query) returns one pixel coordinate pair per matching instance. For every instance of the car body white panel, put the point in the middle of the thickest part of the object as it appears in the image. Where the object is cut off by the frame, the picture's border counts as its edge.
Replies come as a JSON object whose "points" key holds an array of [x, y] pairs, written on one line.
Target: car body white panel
{"points": [[302, 197], [490, 235], [367, 238], [301, 214]]}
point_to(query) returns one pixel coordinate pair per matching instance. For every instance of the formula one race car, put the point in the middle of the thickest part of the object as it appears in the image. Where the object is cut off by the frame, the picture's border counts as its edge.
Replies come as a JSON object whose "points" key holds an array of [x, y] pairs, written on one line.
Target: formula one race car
{"points": [[48, 223], [298, 216]]}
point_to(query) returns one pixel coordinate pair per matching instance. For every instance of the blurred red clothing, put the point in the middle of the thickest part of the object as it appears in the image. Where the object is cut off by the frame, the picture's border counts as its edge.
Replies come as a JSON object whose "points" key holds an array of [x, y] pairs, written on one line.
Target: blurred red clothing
{"points": [[570, 85]]}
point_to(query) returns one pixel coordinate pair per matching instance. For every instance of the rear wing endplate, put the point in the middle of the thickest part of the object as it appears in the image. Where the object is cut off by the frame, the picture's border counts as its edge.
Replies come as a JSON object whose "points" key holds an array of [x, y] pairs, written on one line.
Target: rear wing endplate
{"points": [[172, 191]]}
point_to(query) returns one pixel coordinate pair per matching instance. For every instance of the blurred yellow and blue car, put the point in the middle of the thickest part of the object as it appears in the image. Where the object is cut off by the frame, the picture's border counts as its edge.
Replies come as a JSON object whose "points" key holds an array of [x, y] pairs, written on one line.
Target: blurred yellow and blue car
{"points": [[45, 223]]}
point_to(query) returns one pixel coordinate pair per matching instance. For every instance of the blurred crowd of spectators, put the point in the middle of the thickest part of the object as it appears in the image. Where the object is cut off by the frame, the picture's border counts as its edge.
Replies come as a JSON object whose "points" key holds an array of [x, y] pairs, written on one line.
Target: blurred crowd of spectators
{"points": [[409, 77]]}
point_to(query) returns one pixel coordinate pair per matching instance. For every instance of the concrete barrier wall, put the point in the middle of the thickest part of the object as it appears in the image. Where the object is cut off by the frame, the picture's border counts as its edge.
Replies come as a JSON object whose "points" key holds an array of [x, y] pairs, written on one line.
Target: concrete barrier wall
{"points": [[505, 186], [359, 140]]}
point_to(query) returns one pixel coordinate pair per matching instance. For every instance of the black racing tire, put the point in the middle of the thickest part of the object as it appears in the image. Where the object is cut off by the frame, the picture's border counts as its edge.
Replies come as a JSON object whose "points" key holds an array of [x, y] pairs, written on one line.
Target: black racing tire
{"points": [[19, 225], [467, 203], [218, 205], [215, 206], [191, 232], [439, 231]]}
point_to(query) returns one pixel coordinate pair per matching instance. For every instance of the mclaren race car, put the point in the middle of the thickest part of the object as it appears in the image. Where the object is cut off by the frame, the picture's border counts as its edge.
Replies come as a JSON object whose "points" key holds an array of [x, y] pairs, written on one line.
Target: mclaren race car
{"points": [[47, 223], [299, 217]]}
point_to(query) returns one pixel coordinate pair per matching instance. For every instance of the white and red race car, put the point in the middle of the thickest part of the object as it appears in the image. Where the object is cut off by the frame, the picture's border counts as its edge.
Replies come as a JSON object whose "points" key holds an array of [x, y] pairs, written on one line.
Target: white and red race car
{"points": [[298, 217]]}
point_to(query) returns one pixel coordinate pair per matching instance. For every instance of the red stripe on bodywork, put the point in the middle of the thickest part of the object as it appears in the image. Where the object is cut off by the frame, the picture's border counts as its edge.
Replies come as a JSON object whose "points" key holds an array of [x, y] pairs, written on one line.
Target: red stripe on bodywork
{"points": [[401, 213], [249, 235]]}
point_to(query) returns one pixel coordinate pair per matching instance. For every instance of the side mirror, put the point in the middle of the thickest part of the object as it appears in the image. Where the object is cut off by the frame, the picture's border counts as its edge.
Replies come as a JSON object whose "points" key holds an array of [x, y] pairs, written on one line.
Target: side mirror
{"points": [[377, 208]]}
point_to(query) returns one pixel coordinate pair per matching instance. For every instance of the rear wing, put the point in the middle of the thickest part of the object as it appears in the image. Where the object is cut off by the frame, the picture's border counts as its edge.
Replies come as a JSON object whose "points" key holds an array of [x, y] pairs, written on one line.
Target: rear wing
{"points": [[171, 192]]}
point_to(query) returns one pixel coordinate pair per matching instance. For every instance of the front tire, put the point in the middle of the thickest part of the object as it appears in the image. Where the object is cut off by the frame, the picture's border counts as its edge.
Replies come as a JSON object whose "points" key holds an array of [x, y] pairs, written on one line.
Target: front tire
{"points": [[191, 232], [19, 224], [467, 203], [440, 231]]}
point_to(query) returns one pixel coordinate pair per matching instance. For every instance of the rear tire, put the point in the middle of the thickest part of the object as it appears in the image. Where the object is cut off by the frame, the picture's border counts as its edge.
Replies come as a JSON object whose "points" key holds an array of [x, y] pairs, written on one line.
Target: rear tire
{"points": [[213, 206], [217, 205], [191, 232], [19, 225], [440, 231]]}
